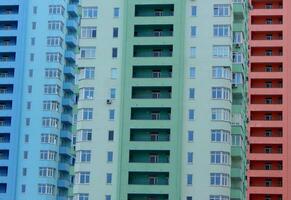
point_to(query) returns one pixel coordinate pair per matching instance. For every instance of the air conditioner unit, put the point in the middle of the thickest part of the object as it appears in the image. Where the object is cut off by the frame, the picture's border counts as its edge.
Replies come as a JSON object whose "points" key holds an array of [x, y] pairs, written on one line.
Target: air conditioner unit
{"points": [[109, 101], [237, 45]]}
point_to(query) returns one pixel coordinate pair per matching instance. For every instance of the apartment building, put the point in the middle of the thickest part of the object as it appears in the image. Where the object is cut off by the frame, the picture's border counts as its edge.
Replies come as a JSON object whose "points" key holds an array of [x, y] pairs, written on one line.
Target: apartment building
{"points": [[162, 100], [38, 41], [269, 167]]}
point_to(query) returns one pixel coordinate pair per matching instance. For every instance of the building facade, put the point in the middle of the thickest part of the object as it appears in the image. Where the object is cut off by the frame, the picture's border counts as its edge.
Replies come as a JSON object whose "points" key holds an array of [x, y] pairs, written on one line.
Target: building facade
{"points": [[269, 165], [162, 100], [38, 41]]}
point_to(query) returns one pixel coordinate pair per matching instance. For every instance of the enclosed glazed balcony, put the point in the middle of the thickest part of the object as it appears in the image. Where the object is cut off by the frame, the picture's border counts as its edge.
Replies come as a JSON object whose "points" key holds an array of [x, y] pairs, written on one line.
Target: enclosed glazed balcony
{"points": [[5, 105], [6, 73], [266, 148], [154, 10], [8, 25], [153, 51], [4, 137], [265, 182], [149, 156], [150, 135], [150, 113], [9, 9], [266, 67], [266, 132], [158, 30], [148, 196], [7, 56], [148, 178], [4, 154], [151, 92], [152, 72]]}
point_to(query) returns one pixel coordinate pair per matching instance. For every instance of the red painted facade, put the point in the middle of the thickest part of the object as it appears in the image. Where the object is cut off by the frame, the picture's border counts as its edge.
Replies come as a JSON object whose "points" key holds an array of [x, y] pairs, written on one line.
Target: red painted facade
{"points": [[269, 152]]}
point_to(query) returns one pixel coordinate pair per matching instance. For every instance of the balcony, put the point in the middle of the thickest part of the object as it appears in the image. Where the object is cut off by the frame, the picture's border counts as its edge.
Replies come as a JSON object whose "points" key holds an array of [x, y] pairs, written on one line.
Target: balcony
{"points": [[151, 92], [70, 56], [149, 156], [5, 121], [4, 137], [66, 134], [4, 154], [66, 150], [152, 72], [239, 10], [6, 75], [150, 51], [69, 86], [236, 193], [148, 178], [154, 10], [71, 40], [149, 135], [135, 196], [150, 113], [67, 118], [237, 152], [8, 25], [64, 183], [68, 102], [153, 31], [9, 9], [73, 9], [7, 56], [7, 41], [3, 171], [72, 25], [63, 166]]}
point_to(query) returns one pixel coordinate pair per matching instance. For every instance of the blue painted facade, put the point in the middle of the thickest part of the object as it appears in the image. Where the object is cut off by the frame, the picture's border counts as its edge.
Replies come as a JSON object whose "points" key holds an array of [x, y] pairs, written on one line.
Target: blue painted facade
{"points": [[37, 95]]}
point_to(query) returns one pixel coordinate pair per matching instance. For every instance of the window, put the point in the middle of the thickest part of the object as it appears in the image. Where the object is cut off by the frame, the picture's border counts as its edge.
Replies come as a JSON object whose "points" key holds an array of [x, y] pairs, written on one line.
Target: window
{"points": [[88, 52], [84, 135], [237, 58], [81, 196], [188, 198], [56, 25], [190, 157], [110, 135], [50, 122], [221, 93], [220, 136], [191, 114], [54, 41], [192, 72], [112, 93], [48, 189], [219, 179], [236, 140], [220, 157], [113, 73], [48, 155], [114, 52], [53, 73], [24, 171], [87, 93], [85, 114], [87, 73], [82, 177], [220, 114], [108, 178], [29, 88], [109, 156], [237, 78], [218, 197], [30, 73], [33, 25], [49, 138], [238, 38], [111, 114], [25, 155], [221, 10], [26, 138], [52, 89], [221, 51], [47, 172], [51, 106], [89, 12], [221, 30], [192, 52], [23, 188], [189, 179], [88, 32], [190, 136], [116, 12], [54, 57], [34, 10], [31, 57], [192, 93], [83, 156], [193, 31], [193, 11], [56, 10], [115, 32], [107, 197]]}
